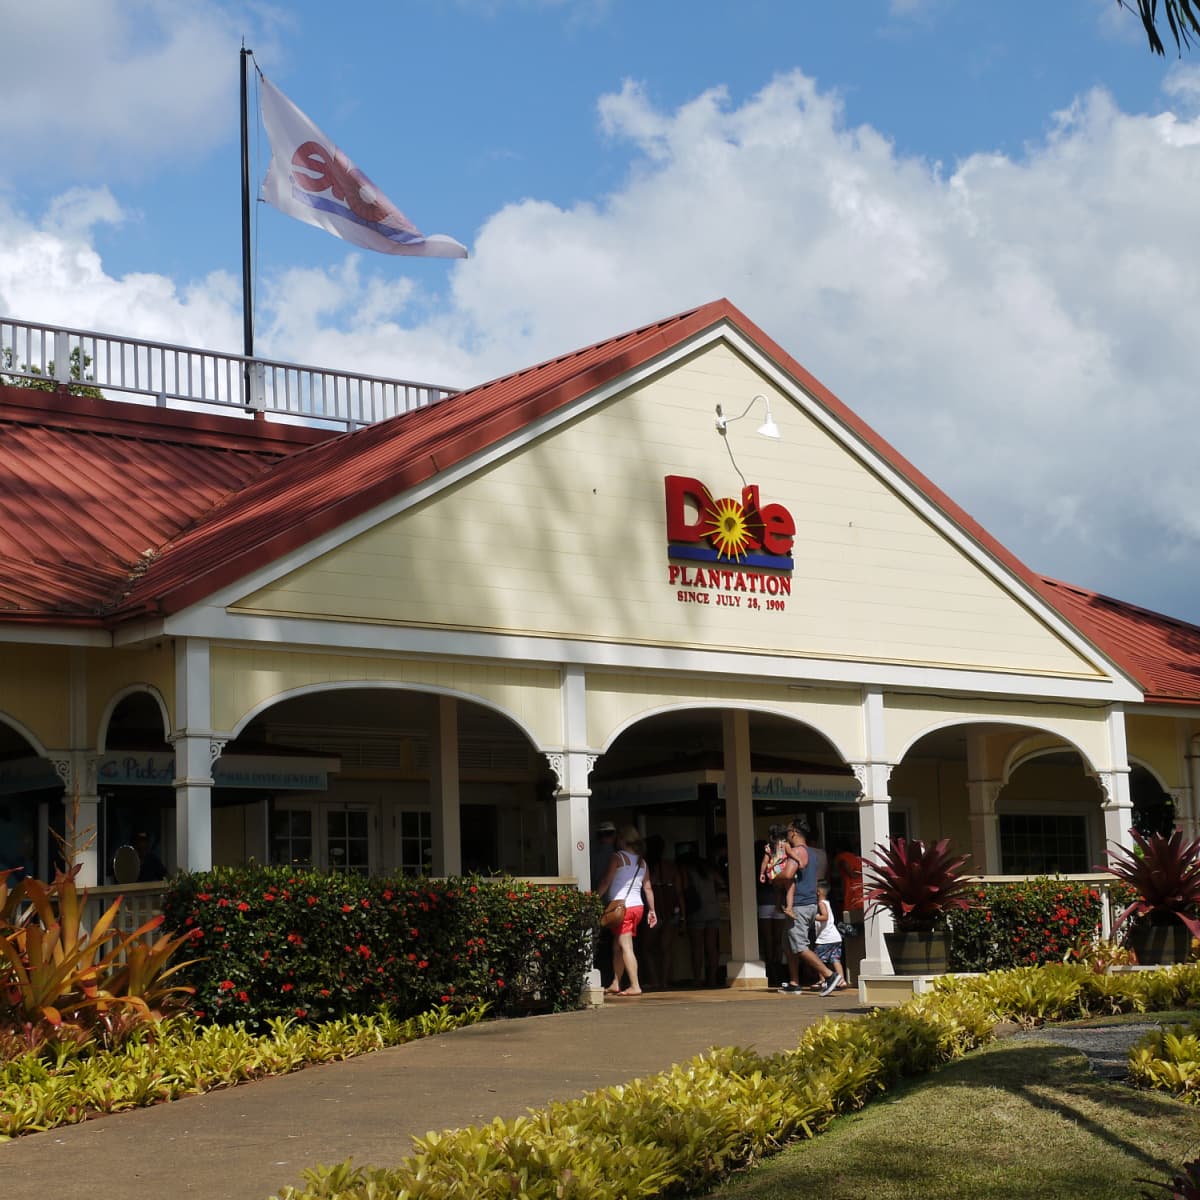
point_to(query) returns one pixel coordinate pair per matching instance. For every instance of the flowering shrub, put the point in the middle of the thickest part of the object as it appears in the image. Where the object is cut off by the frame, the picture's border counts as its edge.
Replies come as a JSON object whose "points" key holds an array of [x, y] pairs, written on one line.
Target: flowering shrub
{"points": [[1039, 921], [276, 942]]}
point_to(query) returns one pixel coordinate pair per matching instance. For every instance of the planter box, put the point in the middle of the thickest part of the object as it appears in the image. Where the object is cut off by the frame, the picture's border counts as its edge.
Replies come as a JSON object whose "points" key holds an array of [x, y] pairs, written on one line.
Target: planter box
{"points": [[918, 953], [1160, 945]]}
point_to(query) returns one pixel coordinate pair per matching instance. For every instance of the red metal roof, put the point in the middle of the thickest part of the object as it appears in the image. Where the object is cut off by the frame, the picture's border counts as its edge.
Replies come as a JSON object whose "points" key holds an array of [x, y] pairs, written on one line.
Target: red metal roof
{"points": [[1161, 653], [91, 488], [87, 489]]}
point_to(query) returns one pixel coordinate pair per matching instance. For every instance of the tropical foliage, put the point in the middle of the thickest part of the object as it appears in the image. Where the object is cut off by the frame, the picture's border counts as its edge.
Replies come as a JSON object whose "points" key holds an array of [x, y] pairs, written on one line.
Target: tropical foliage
{"points": [[42, 1089], [918, 883], [63, 981], [1164, 872]]}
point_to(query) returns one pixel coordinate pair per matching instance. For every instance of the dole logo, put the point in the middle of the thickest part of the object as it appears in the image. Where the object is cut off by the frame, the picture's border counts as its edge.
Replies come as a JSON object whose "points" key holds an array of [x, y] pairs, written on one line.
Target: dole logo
{"points": [[745, 531]]}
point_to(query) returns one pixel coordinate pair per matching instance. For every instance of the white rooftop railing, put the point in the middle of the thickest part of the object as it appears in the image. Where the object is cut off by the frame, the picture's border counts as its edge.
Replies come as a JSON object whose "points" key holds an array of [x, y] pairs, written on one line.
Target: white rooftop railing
{"points": [[181, 376]]}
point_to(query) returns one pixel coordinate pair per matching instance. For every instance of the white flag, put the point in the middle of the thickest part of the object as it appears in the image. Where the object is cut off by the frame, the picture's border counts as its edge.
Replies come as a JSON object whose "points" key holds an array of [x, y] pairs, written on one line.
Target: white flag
{"points": [[310, 179]]}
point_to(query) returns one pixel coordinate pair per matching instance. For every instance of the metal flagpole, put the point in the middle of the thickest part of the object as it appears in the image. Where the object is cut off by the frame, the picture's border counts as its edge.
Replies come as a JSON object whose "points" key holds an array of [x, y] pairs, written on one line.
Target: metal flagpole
{"points": [[247, 294]]}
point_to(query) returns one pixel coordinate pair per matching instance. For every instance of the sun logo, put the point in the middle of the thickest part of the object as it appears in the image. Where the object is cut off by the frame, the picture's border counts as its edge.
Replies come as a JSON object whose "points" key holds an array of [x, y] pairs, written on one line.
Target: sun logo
{"points": [[728, 529]]}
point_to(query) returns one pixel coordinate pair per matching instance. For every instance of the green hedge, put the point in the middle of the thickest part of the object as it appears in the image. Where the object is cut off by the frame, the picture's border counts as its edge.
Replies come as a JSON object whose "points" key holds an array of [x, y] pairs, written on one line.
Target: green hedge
{"points": [[1042, 920], [276, 942]]}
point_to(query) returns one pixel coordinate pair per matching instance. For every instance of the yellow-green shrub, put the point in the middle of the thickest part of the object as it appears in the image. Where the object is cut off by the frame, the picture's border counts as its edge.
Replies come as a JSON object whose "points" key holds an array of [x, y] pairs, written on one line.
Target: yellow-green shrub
{"points": [[1169, 1059], [39, 1091], [679, 1131]]}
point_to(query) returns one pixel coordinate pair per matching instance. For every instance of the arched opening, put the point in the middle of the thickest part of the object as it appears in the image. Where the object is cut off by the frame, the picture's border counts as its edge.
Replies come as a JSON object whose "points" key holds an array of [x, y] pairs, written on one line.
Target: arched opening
{"points": [[667, 776], [31, 805], [135, 783], [1153, 807], [1018, 800], [345, 779]]}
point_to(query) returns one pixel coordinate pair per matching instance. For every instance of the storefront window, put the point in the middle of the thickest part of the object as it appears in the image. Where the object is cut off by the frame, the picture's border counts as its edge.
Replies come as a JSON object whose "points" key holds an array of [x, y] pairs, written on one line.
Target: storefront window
{"points": [[348, 840], [1043, 844], [292, 837], [416, 843]]}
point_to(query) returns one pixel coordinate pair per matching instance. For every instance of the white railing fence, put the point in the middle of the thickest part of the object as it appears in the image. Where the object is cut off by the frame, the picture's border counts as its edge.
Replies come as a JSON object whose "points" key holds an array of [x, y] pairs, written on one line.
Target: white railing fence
{"points": [[181, 376]]}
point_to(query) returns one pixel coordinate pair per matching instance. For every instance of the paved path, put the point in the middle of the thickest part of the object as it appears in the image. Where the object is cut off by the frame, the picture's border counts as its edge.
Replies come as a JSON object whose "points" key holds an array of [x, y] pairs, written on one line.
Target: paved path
{"points": [[248, 1142]]}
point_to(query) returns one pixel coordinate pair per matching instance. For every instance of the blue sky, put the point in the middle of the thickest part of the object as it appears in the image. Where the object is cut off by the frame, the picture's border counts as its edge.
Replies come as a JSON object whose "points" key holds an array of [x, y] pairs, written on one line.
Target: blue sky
{"points": [[973, 222]]}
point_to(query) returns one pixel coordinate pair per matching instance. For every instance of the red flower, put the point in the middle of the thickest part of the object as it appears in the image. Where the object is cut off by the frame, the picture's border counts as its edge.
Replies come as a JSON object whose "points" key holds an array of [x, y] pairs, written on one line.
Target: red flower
{"points": [[227, 985], [387, 895], [287, 987], [268, 895], [347, 908], [222, 903], [243, 906], [204, 895], [243, 997], [295, 939], [422, 964], [302, 1012], [364, 951], [311, 901]]}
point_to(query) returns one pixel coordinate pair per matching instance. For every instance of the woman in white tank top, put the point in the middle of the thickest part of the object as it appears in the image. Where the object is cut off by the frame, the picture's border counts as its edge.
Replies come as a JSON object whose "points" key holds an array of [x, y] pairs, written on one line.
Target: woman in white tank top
{"points": [[627, 879]]}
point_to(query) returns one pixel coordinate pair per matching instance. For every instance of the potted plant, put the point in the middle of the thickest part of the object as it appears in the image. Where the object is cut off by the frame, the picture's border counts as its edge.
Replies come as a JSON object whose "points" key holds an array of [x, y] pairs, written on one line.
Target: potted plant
{"points": [[918, 884], [1164, 871]]}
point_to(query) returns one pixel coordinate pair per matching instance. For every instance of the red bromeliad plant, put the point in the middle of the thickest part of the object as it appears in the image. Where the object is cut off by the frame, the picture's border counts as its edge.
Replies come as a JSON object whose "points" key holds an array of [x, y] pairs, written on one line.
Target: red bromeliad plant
{"points": [[1165, 874], [917, 883]]}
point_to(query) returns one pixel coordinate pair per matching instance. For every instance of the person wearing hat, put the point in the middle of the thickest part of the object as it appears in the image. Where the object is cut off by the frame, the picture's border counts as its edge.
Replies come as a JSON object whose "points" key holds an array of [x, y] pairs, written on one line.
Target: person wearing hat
{"points": [[603, 845]]}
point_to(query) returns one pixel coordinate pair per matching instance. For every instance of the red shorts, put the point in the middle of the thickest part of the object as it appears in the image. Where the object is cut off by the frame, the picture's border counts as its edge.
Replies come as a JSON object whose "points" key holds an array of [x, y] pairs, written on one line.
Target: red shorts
{"points": [[633, 918]]}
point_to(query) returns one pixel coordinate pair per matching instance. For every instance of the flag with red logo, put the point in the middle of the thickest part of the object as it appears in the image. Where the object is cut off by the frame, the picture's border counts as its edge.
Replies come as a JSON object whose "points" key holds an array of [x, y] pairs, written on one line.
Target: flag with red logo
{"points": [[310, 179]]}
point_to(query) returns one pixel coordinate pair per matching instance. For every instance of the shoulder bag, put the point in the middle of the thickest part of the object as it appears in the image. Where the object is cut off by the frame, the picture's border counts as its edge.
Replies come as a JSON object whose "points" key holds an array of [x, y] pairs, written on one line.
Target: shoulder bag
{"points": [[614, 911]]}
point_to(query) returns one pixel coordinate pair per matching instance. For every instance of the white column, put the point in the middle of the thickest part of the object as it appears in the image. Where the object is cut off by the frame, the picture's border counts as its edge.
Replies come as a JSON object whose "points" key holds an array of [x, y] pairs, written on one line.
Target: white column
{"points": [[1117, 804], [195, 751], [874, 806], [572, 768], [983, 791], [82, 804], [745, 969], [1189, 817], [443, 789], [86, 815]]}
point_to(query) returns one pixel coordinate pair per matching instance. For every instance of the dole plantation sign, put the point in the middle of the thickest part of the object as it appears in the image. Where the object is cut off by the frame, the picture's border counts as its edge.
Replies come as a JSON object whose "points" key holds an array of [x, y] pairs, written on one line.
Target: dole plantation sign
{"points": [[735, 552]]}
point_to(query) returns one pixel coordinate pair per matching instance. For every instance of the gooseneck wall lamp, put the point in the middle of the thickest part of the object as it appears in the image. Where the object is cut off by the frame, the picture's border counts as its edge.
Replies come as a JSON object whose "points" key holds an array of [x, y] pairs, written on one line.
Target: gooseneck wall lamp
{"points": [[767, 429]]}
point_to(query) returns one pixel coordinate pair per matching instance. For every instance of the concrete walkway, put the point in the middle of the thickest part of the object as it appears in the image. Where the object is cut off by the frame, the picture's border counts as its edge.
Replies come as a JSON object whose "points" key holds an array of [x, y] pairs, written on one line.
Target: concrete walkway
{"points": [[247, 1143]]}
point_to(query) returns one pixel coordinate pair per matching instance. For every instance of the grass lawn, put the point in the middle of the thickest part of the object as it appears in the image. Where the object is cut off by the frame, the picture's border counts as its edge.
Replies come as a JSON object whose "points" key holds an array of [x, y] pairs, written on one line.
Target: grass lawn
{"points": [[1014, 1121]]}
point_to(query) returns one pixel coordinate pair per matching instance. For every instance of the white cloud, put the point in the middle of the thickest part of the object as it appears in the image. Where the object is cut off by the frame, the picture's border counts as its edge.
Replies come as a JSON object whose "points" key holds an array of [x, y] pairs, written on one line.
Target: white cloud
{"points": [[1021, 328], [105, 87]]}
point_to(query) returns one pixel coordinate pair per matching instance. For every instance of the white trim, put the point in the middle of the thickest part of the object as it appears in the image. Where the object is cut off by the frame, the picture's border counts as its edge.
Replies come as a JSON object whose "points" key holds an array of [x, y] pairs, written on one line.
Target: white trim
{"points": [[310, 689], [54, 635], [974, 550], [1123, 687], [17, 727], [450, 476], [721, 706], [1017, 757], [305, 633], [132, 689], [1017, 722]]}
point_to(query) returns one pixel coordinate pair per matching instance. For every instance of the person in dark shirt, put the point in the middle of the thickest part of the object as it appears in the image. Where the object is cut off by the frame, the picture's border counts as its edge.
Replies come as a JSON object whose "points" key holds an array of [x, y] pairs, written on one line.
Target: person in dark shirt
{"points": [[151, 867]]}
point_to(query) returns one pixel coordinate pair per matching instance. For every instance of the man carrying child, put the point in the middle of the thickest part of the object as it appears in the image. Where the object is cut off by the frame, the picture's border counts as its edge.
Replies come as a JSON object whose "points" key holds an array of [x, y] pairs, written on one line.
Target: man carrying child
{"points": [[805, 906]]}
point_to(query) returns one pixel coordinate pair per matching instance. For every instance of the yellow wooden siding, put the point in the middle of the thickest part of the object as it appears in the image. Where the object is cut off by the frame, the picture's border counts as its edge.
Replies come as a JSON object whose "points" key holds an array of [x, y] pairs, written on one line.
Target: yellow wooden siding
{"points": [[907, 718], [567, 538], [615, 702], [244, 680], [35, 684]]}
